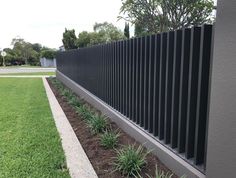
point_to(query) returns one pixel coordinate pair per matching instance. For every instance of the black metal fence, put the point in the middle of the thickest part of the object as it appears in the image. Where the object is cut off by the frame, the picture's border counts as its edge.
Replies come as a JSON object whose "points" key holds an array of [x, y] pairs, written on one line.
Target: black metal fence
{"points": [[160, 82]]}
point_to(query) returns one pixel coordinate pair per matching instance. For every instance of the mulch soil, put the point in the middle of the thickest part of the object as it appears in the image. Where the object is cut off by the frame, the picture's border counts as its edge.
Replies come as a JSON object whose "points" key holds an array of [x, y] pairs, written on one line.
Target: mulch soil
{"points": [[103, 159]]}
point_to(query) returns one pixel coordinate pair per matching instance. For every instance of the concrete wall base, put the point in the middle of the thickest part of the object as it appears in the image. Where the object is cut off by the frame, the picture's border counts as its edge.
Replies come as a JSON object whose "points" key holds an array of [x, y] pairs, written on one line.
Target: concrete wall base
{"points": [[174, 162]]}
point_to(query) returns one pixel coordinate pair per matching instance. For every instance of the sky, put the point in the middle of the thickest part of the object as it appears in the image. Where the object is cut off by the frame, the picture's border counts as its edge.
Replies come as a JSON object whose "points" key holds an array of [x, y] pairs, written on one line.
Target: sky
{"points": [[45, 21]]}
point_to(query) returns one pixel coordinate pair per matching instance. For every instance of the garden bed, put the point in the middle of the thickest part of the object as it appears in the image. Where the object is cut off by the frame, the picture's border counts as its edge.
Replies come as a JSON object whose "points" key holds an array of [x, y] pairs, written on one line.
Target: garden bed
{"points": [[103, 159]]}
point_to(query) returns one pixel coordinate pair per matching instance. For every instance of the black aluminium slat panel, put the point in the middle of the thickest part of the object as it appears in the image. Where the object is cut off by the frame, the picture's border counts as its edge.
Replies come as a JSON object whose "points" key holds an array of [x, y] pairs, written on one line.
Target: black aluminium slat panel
{"points": [[103, 75], [208, 95], [192, 92], [109, 74], [130, 81], [168, 88], [137, 79], [142, 50], [126, 78], [117, 76], [120, 78], [156, 84], [133, 80], [151, 82], [184, 72], [162, 72], [113, 75], [145, 61], [175, 88], [203, 85]]}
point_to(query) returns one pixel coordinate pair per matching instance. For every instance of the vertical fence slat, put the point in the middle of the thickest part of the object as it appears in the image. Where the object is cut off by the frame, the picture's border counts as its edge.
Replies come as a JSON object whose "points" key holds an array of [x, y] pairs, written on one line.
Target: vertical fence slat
{"points": [[192, 98], [168, 86], [137, 79], [145, 83], [203, 91], [133, 89], [175, 88], [162, 91], [156, 86], [142, 53], [130, 82], [184, 73]]}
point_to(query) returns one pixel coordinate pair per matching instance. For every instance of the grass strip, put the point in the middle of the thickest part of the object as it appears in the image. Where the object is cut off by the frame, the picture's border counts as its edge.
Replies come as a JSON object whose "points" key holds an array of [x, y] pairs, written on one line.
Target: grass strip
{"points": [[30, 145]]}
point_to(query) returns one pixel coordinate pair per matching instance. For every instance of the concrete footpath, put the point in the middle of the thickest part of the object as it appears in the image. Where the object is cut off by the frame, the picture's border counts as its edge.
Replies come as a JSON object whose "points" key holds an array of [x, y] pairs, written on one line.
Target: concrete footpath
{"points": [[77, 161], [8, 70]]}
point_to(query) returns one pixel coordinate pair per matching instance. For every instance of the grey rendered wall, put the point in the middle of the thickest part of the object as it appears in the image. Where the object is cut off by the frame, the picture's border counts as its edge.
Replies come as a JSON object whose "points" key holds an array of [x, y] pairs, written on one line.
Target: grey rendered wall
{"points": [[221, 156], [178, 165]]}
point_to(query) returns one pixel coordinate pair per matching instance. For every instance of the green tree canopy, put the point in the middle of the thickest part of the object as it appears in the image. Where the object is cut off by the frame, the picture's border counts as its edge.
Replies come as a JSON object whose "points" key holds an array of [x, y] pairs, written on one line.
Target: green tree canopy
{"points": [[25, 53], [48, 53], [154, 16], [103, 33], [69, 39]]}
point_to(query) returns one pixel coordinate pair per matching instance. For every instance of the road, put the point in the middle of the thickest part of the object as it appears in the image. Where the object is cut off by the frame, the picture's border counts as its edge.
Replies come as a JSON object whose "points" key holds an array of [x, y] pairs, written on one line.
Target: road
{"points": [[25, 70]]}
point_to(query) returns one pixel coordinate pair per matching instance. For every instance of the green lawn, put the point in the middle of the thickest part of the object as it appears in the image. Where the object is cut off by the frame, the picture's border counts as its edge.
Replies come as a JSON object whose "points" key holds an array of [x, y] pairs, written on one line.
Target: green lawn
{"points": [[30, 146], [32, 73]]}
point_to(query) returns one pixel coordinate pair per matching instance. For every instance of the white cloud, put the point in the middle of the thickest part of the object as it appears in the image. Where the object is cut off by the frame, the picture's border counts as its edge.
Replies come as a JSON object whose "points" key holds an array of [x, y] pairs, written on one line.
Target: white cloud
{"points": [[44, 21]]}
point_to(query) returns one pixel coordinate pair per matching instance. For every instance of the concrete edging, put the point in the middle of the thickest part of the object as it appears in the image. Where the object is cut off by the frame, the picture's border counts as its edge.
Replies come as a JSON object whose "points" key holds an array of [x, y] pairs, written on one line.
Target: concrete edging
{"points": [[77, 161], [170, 159]]}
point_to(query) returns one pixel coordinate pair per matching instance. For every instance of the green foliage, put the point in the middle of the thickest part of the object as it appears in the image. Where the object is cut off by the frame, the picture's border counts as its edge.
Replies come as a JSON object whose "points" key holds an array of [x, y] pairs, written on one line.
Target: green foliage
{"points": [[161, 174], [130, 160], [69, 39], [156, 16], [103, 33], [109, 139], [97, 124], [57, 84], [126, 31], [48, 53], [84, 39], [67, 93], [73, 101], [23, 53], [86, 114]]}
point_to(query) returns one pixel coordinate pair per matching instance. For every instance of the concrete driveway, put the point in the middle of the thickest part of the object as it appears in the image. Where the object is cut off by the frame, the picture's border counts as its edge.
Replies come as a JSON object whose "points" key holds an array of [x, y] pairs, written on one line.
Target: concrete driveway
{"points": [[5, 70]]}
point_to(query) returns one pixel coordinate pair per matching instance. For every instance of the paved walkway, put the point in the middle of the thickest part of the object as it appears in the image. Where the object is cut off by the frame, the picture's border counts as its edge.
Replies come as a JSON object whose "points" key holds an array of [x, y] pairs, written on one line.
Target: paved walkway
{"points": [[77, 160], [5, 70]]}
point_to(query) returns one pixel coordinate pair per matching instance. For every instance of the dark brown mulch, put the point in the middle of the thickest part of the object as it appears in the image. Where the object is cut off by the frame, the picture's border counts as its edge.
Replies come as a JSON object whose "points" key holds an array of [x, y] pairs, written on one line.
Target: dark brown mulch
{"points": [[102, 159]]}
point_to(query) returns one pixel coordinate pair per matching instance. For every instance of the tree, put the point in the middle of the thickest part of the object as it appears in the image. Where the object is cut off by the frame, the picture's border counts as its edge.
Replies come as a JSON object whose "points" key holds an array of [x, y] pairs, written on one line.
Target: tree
{"points": [[23, 52], [22, 49], [154, 16], [103, 33], [37, 47], [69, 39], [126, 30], [108, 31], [48, 54], [84, 39]]}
